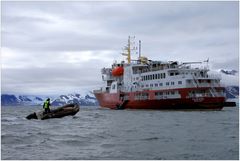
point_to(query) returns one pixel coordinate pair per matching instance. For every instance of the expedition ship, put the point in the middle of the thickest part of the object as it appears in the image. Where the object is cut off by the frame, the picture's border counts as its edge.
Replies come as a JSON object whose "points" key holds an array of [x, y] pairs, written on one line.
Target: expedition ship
{"points": [[148, 84]]}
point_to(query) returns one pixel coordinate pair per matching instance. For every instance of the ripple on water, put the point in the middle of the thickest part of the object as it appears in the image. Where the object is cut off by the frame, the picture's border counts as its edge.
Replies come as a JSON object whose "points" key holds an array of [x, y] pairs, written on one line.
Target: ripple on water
{"points": [[108, 145], [150, 139]]}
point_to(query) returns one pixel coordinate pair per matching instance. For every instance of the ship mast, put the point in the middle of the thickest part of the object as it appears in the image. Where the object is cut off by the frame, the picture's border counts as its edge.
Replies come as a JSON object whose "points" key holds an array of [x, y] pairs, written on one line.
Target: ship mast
{"points": [[129, 51], [128, 48], [139, 51]]}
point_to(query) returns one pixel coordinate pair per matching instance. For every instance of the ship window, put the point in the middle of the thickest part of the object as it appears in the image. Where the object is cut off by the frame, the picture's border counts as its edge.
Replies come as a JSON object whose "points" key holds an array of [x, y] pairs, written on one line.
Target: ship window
{"points": [[171, 74], [179, 82], [172, 83], [156, 85], [151, 85], [158, 76], [158, 93], [146, 85], [153, 76], [150, 77], [172, 92], [160, 84], [164, 75], [167, 83], [161, 76], [144, 94]]}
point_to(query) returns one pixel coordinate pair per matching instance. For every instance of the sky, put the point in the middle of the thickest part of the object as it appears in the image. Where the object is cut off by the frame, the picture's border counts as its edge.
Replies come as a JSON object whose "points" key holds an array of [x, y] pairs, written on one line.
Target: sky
{"points": [[51, 48]]}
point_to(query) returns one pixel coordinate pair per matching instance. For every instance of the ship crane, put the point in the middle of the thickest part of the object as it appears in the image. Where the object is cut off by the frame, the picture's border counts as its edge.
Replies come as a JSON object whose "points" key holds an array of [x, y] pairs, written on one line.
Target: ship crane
{"points": [[130, 47]]}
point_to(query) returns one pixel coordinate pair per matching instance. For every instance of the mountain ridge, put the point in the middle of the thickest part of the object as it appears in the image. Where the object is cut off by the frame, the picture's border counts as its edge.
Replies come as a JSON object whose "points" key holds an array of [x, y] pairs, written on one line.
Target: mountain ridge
{"points": [[228, 72], [31, 100]]}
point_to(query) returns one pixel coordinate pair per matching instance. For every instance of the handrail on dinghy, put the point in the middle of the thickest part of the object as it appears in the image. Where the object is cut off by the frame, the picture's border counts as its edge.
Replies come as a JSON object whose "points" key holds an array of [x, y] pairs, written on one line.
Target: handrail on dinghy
{"points": [[68, 109]]}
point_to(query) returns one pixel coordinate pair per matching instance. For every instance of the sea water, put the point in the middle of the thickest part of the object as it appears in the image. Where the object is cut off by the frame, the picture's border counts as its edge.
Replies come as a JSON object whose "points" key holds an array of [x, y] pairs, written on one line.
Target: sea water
{"points": [[96, 133]]}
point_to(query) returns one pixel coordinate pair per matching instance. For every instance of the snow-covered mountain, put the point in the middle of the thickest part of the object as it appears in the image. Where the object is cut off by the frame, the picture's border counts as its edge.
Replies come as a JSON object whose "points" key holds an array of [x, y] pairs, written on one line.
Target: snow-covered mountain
{"points": [[228, 72], [232, 92], [84, 100], [229, 77]]}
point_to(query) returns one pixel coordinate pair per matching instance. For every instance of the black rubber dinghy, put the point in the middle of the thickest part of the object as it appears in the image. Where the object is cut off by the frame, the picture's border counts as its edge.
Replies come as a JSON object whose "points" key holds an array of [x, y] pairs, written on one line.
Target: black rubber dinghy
{"points": [[66, 110]]}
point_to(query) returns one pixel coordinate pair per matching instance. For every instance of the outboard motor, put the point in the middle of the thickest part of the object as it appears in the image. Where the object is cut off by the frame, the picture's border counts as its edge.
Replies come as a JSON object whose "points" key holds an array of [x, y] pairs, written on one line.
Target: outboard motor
{"points": [[32, 116]]}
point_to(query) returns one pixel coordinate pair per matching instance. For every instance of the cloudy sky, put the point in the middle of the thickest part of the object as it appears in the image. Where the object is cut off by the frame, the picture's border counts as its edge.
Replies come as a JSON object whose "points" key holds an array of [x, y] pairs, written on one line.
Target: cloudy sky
{"points": [[59, 47]]}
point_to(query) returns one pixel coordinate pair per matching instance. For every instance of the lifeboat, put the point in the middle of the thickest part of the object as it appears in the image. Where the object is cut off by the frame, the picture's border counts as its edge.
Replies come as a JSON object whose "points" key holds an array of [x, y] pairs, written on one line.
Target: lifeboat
{"points": [[118, 71], [69, 109]]}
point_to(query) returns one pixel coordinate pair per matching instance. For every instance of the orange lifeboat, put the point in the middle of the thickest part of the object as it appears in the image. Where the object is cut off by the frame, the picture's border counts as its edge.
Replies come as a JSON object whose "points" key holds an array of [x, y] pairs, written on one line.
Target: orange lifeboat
{"points": [[118, 71]]}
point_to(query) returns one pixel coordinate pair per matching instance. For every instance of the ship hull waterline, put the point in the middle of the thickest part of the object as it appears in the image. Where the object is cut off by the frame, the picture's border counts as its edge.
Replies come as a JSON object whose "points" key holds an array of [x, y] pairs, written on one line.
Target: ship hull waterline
{"points": [[201, 103]]}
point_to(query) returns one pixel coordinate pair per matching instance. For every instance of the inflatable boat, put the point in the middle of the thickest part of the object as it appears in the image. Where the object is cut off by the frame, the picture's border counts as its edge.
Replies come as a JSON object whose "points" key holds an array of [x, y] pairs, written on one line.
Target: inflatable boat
{"points": [[69, 109]]}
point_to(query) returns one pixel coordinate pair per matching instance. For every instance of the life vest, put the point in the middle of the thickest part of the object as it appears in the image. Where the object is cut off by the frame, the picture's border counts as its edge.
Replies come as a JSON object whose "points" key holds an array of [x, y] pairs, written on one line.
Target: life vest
{"points": [[46, 104]]}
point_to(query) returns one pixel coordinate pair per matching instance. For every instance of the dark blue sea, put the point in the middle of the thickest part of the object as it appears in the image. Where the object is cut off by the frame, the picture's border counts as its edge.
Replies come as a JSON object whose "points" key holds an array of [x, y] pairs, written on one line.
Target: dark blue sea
{"points": [[96, 133]]}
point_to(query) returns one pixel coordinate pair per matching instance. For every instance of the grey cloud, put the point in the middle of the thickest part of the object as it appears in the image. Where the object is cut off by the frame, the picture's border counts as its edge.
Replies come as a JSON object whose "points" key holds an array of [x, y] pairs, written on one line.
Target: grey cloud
{"points": [[58, 79], [155, 19], [178, 16], [229, 63]]}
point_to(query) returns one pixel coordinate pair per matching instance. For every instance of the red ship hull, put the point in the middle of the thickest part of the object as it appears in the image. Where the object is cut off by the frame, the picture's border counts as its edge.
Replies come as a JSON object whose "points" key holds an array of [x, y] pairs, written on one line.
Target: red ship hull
{"points": [[112, 101]]}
